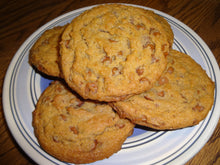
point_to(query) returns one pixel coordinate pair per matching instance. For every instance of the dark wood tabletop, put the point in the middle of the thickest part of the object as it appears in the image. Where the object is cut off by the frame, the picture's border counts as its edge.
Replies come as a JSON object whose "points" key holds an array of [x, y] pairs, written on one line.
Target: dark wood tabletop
{"points": [[20, 18]]}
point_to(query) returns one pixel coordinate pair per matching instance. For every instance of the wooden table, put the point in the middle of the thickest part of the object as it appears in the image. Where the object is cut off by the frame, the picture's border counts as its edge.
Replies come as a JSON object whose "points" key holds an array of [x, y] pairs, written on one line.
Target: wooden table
{"points": [[19, 19]]}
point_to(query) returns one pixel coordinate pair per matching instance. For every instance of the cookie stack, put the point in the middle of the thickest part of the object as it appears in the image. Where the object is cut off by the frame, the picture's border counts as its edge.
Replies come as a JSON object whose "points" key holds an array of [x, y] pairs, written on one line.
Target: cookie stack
{"points": [[114, 68]]}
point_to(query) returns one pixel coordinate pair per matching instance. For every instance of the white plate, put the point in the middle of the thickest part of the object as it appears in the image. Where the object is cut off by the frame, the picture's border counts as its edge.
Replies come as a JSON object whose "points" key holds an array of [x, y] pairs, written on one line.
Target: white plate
{"points": [[23, 86]]}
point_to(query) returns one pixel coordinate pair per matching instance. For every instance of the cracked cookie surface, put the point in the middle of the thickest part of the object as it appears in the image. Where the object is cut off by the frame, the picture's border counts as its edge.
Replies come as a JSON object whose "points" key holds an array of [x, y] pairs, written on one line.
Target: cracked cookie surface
{"points": [[44, 54], [112, 52], [182, 97], [77, 131]]}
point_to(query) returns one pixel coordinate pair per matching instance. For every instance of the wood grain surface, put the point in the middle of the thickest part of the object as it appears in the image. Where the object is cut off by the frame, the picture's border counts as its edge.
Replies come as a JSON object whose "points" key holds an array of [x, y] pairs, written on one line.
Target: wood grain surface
{"points": [[20, 18]]}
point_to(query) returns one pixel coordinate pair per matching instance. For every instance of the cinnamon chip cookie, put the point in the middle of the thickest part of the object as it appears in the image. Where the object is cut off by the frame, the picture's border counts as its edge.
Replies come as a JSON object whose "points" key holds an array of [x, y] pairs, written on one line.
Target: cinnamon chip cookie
{"points": [[182, 97], [113, 51], [44, 54], [75, 130]]}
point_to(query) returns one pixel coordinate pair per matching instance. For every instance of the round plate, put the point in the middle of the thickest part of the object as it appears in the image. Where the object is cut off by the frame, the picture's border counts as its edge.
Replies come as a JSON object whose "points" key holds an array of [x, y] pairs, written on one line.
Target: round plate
{"points": [[23, 86]]}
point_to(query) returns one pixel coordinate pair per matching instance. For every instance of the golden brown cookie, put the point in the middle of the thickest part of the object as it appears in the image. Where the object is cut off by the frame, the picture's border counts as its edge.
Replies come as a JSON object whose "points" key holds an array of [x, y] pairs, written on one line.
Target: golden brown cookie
{"points": [[113, 51], [75, 130], [182, 97], [166, 26], [44, 54]]}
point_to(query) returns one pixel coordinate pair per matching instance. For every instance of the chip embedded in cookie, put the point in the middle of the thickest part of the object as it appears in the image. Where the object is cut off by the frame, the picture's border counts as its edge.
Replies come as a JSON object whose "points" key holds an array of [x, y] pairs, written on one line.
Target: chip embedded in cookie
{"points": [[182, 97], [166, 26], [77, 131], [44, 54], [113, 51]]}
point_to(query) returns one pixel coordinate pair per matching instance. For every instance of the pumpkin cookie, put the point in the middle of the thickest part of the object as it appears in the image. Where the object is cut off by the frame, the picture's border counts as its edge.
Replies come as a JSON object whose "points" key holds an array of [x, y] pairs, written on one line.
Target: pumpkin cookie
{"points": [[77, 131], [182, 97], [113, 51], [44, 54]]}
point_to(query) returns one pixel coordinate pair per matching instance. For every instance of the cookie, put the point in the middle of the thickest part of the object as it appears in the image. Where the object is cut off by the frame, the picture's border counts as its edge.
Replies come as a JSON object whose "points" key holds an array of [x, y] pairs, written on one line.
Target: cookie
{"points": [[166, 26], [77, 131], [111, 52], [182, 97], [44, 54]]}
